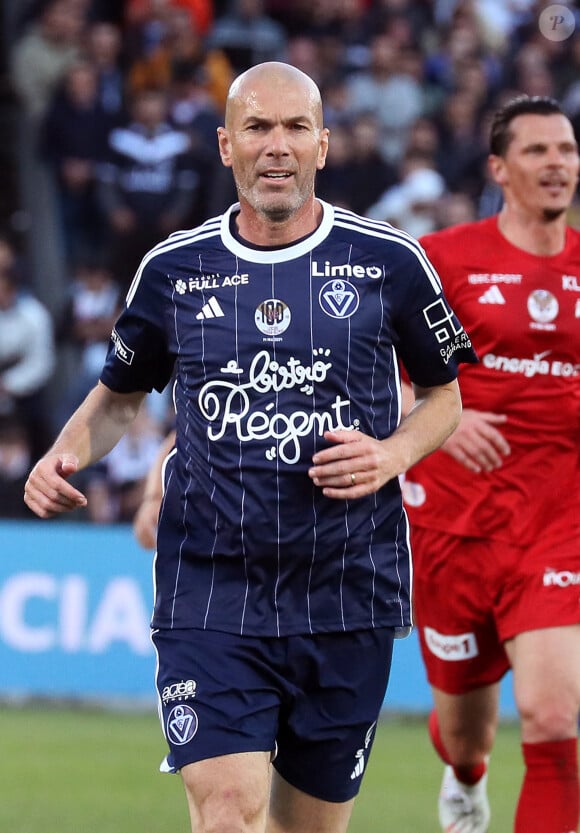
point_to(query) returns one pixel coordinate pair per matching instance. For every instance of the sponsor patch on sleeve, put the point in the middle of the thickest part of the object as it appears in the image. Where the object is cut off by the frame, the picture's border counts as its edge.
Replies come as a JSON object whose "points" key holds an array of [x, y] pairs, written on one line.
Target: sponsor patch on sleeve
{"points": [[121, 350]]}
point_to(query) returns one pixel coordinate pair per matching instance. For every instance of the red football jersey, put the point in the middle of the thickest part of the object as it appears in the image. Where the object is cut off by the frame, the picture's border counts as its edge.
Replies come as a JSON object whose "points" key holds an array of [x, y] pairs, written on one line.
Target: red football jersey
{"points": [[523, 315]]}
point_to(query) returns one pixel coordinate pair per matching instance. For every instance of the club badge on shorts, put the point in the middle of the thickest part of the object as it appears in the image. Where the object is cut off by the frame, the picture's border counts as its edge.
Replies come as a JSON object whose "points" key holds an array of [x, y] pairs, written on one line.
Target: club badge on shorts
{"points": [[181, 725]]}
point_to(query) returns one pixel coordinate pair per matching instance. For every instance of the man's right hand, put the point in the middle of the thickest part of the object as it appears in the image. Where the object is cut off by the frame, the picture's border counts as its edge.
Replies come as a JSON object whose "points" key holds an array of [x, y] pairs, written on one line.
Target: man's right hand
{"points": [[476, 443], [47, 492]]}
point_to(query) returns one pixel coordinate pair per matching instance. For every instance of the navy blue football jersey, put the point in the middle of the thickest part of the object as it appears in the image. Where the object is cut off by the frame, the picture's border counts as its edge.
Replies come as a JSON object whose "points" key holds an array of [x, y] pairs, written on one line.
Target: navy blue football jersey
{"points": [[267, 350]]}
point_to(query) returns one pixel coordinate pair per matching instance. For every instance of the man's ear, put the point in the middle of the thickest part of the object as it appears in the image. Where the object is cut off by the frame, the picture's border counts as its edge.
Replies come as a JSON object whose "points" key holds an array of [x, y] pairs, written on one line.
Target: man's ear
{"points": [[323, 148], [496, 167], [224, 147]]}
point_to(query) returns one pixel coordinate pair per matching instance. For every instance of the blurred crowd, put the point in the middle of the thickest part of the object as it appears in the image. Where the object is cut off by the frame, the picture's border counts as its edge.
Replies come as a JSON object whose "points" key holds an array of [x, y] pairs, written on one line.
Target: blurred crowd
{"points": [[119, 103]]}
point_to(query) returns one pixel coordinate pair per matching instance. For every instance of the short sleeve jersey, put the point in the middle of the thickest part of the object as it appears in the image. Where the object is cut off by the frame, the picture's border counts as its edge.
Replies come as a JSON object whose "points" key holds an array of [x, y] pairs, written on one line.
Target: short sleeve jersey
{"points": [[523, 315], [270, 349]]}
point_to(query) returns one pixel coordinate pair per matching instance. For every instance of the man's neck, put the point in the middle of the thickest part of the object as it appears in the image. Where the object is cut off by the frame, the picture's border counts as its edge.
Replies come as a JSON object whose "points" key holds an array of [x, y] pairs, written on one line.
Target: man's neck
{"points": [[260, 231], [535, 235]]}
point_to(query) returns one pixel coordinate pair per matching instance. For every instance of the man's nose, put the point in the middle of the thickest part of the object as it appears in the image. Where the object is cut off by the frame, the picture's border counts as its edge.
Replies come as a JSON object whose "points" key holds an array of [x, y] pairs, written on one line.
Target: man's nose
{"points": [[556, 156], [278, 140]]}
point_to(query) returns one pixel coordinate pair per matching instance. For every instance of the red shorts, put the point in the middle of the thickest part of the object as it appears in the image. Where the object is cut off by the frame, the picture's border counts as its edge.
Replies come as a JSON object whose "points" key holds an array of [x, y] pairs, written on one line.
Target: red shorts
{"points": [[473, 594]]}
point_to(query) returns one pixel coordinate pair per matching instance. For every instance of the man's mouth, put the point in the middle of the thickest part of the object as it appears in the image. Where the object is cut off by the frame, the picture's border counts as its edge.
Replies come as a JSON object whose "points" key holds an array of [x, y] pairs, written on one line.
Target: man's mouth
{"points": [[554, 182], [276, 176]]}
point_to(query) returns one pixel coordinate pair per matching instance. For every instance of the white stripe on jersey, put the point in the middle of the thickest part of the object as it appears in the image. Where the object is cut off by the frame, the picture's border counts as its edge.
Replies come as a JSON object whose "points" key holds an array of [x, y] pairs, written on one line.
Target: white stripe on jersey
{"points": [[377, 228], [209, 229]]}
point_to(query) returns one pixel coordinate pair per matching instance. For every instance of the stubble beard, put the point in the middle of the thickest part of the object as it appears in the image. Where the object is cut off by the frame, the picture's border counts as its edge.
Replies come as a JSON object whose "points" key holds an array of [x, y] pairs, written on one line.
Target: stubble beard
{"points": [[549, 215], [275, 212]]}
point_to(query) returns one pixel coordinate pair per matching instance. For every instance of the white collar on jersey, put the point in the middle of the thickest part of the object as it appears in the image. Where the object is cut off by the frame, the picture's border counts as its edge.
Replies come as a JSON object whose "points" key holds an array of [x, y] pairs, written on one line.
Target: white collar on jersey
{"points": [[276, 255]]}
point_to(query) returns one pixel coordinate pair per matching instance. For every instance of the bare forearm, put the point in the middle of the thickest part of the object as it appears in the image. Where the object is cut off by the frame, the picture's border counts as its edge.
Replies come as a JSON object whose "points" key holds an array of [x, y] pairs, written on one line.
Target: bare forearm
{"points": [[92, 431], [97, 425], [430, 421]]}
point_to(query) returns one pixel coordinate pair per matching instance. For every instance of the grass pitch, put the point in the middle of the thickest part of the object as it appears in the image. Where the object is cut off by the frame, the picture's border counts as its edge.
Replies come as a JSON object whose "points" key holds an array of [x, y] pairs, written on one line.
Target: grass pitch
{"points": [[88, 771]]}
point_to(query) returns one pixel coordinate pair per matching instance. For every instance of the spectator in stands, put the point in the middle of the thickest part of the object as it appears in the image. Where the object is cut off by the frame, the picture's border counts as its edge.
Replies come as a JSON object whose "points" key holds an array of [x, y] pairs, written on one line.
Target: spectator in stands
{"points": [[423, 138], [332, 58], [303, 52], [147, 183], [27, 359], [192, 109], [15, 461], [387, 14], [41, 56], [73, 139], [532, 71], [146, 16], [412, 204], [461, 43], [382, 89], [248, 35], [91, 310], [371, 174], [145, 25], [346, 23], [453, 209], [570, 86], [462, 149], [355, 174], [337, 104], [474, 81], [181, 44], [103, 45], [335, 181]]}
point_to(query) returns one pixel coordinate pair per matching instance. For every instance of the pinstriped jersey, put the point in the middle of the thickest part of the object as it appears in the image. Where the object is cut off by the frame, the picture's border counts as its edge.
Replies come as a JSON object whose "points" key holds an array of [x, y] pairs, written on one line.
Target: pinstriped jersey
{"points": [[268, 349]]}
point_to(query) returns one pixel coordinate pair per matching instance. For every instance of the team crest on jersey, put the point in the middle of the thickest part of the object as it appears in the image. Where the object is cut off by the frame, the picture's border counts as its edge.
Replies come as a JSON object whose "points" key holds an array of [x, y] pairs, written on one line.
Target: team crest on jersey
{"points": [[338, 299], [272, 317], [543, 308]]}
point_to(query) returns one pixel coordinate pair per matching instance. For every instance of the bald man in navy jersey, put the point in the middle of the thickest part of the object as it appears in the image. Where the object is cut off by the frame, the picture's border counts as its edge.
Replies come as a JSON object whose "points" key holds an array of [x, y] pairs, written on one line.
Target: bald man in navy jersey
{"points": [[283, 570]]}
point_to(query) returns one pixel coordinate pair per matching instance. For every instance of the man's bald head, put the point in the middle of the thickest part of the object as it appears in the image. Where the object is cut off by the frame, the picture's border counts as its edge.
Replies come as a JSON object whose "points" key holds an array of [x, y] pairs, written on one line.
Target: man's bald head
{"points": [[275, 76]]}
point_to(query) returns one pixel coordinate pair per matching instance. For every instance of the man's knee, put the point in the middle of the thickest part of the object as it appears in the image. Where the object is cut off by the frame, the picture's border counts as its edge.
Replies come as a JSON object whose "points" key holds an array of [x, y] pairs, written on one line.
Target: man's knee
{"points": [[226, 795]]}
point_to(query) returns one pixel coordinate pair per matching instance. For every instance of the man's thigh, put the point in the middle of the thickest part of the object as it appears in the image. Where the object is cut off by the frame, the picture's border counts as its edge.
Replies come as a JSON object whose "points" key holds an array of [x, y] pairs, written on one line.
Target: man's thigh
{"points": [[293, 811], [454, 607]]}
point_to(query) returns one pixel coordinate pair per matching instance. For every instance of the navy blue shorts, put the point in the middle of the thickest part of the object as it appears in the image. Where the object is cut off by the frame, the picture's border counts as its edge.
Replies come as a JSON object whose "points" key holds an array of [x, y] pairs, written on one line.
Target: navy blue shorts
{"points": [[315, 699]]}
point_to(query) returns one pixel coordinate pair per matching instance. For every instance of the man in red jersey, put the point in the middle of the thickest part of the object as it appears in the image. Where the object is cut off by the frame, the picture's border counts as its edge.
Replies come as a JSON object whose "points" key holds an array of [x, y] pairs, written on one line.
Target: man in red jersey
{"points": [[495, 512]]}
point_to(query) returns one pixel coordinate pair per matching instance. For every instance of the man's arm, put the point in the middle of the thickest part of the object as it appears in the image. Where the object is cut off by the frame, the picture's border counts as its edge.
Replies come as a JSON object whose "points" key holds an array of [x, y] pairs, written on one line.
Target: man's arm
{"points": [[91, 432], [146, 517], [477, 443], [430, 421]]}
